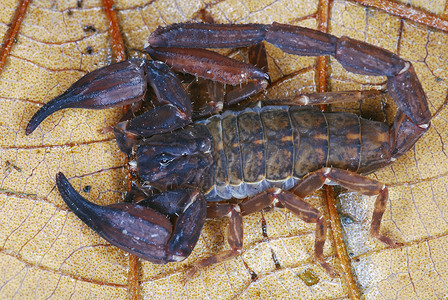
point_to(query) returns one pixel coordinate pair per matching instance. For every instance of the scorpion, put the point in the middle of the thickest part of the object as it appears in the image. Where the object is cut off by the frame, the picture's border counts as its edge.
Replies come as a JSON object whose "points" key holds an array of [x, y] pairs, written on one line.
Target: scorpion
{"points": [[239, 162]]}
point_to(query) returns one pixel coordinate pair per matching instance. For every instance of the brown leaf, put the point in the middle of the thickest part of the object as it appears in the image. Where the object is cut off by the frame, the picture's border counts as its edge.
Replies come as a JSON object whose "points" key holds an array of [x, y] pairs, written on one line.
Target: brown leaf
{"points": [[46, 251]]}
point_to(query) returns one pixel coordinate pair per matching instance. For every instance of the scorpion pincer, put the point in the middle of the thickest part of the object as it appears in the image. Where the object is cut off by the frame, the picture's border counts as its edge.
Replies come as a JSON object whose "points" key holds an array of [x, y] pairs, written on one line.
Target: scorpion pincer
{"points": [[276, 155]]}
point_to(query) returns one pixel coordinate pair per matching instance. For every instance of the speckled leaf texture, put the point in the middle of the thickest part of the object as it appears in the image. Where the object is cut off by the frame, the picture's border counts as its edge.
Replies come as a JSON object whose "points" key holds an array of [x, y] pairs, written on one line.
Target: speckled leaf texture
{"points": [[47, 252]]}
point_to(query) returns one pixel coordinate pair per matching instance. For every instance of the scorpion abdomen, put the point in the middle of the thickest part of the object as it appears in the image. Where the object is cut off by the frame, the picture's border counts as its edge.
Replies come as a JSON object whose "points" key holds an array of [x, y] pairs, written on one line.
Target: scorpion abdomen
{"points": [[259, 148]]}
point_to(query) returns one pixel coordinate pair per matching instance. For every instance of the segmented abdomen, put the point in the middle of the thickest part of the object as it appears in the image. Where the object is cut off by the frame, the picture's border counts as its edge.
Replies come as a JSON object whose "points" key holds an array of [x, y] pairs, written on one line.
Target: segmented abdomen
{"points": [[275, 146]]}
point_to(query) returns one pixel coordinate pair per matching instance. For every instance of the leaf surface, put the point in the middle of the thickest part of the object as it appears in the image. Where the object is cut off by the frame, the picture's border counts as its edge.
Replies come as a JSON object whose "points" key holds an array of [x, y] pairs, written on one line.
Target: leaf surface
{"points": [[45, 251]]}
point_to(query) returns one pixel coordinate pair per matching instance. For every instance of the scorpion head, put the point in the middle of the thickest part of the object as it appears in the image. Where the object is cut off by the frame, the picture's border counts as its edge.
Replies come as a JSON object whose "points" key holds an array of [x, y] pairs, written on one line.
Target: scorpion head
{"points": [[180, 159]]}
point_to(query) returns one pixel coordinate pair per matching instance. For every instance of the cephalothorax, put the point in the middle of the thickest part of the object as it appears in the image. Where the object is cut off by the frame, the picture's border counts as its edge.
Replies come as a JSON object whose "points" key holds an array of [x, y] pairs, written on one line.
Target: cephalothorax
{"points": [[268, 156]]}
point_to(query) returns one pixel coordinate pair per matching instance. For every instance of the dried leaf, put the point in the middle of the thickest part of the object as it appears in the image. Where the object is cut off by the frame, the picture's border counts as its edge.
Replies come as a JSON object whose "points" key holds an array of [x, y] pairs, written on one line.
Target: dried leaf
{"points": [[46, 251]]}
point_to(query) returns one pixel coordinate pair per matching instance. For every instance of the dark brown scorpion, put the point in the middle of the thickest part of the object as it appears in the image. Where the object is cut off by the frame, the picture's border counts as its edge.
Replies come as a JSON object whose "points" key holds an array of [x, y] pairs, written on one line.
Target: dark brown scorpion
{"points": [[270, 156]]}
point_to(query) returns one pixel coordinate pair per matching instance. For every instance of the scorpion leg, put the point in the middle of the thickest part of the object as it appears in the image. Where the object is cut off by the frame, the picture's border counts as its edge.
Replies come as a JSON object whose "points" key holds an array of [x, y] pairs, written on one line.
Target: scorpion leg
{"points": [[309, 214], [353, 182], [296, 204], [144, 229], [266, 199], [234, 237]]}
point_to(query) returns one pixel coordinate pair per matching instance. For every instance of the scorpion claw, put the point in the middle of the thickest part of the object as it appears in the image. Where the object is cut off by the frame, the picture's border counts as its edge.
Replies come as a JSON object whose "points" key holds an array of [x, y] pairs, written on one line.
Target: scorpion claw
{"points": [[191, 208], [147, 236], [115, 85], [141, 230]]}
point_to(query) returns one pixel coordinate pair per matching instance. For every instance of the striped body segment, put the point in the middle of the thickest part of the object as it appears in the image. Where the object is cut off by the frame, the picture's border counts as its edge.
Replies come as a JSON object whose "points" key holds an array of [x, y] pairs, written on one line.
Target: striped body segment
{"points": [[275, 146]]}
